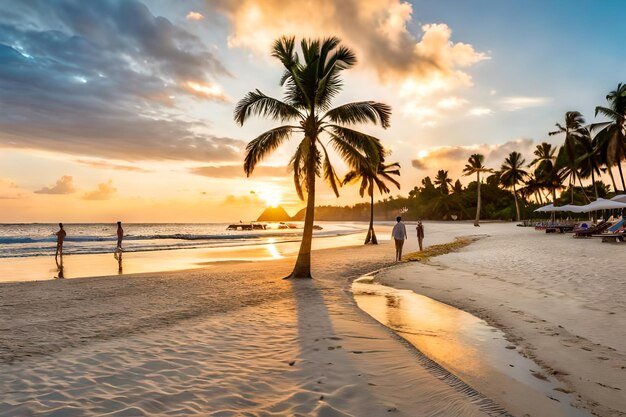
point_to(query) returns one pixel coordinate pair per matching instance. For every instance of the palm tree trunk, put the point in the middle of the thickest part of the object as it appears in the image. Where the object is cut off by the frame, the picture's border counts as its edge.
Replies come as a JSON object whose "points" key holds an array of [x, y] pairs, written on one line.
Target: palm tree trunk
{"points": [[571, 187], [477, 221], [580, 181], [302, 269], [608, 168], [516, 204], [371, 235], [595, 186], [621, 175], [553, 195]]}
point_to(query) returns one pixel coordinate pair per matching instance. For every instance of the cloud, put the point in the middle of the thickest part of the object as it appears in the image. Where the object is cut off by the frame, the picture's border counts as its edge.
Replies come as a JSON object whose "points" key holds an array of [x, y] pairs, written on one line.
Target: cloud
{"points": [[424, 64], [236, 171], [520, 103], [64, 185], [110, 165], [194, 16], [104, 191], [377, 29], [480, 111], [456, 156], [102, 79]]}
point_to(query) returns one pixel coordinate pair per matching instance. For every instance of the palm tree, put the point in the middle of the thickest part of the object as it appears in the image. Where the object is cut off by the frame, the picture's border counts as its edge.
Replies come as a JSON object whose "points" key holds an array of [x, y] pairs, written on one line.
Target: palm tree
{"points": [[612, 134], [443, 181], [369, 177], [546, 173], [311, 80], [475, 165], [544, 154], [589, 162], [511, 174], [574, 122]]}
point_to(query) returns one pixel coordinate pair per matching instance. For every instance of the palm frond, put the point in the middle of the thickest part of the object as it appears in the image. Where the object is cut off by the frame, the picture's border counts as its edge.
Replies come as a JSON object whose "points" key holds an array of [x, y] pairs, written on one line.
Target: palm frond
{"points": [[329, 172], [263, 145], [283, 49], [361, 112], [350, 154], [258, 104], [606, 112], [369, 145]]}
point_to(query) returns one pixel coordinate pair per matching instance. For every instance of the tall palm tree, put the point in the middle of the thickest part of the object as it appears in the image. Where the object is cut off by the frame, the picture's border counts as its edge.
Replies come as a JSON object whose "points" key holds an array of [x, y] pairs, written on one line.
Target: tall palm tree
{"points": [[311, 80], [370, 176], [589, 162], [475, 165], [574, 122], [544, 154], [511, 174], [443, 181], [612, 134]]}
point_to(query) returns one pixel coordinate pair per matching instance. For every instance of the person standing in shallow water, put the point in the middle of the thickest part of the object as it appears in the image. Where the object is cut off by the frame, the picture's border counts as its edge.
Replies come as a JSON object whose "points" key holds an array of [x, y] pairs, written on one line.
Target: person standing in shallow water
{"points": [[420, 233], [118, 248], [398, 233], [60, 239]]}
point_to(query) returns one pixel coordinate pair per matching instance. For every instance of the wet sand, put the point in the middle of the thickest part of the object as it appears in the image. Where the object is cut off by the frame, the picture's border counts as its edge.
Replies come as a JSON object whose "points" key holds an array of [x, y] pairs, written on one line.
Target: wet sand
{"points": [[560, 300]]}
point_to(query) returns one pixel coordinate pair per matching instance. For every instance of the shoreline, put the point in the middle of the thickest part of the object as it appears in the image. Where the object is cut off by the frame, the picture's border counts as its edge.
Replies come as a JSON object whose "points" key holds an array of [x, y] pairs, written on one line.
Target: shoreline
{"points": [[595, 380]]}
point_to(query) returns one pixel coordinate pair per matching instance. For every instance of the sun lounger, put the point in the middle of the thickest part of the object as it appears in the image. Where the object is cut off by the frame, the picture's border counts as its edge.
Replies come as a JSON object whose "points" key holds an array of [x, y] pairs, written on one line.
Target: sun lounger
{"points": [[591, 230]]}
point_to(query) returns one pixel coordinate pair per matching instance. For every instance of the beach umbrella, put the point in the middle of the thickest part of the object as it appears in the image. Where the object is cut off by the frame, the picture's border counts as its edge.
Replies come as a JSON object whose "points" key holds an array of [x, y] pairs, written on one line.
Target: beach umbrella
{"points": [[602, 204], [548, 208], [619, 198], [569, 207]]}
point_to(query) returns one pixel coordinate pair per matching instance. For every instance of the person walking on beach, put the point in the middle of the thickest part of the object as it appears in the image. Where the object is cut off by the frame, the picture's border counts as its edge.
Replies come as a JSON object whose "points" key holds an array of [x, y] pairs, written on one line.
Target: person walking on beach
{"points": [[420, 233], [398, 233], [118, 248], [60, 238]]}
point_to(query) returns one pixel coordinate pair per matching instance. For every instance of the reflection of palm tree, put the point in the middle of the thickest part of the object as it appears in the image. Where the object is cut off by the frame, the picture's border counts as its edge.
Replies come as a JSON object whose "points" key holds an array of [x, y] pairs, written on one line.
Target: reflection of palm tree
{"points": [[369, 177], [311, 81], [512, 174], [475, 165], [612, 134]]}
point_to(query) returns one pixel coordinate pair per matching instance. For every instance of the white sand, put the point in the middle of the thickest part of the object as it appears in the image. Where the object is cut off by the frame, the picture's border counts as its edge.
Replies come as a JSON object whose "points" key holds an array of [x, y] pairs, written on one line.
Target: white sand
{"points": [[562, 299], [234, 339], [228, 340]]}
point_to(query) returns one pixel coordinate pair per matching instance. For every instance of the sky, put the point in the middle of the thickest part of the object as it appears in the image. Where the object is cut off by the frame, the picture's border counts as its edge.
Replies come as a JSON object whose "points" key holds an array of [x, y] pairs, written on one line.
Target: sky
{"points": [[123, 109]]}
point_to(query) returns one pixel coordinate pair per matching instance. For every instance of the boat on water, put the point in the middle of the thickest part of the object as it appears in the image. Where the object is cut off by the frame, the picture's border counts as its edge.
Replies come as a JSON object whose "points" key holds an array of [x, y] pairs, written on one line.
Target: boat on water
{"points": [[247, 226]]}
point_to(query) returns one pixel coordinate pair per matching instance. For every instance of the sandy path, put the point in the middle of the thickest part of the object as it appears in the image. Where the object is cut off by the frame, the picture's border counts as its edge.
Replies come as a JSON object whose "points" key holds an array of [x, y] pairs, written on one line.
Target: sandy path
{"points": [[224, 340], [563, 300]]}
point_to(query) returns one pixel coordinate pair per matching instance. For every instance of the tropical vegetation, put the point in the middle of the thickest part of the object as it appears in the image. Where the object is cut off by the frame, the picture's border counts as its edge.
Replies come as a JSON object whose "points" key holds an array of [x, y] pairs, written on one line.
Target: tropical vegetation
{"points": [[311, 80]]}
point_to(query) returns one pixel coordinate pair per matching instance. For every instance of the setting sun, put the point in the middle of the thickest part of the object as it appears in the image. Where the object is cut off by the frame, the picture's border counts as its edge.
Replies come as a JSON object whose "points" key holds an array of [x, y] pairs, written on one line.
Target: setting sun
{"points": [[271, 197]]}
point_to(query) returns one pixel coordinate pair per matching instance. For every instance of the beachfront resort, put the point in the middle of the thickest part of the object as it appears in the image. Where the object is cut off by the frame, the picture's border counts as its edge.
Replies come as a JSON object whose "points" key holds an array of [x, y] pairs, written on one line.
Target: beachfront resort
{"points": [[312, 208]]}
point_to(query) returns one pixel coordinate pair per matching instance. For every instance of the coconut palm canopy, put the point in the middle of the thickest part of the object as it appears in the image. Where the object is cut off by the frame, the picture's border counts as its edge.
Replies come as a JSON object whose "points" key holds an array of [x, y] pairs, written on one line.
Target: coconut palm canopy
{"points": [[311, 80]]}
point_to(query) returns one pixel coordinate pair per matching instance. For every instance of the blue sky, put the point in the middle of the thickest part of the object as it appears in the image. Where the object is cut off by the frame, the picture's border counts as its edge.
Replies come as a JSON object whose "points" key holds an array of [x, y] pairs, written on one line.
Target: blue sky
{"points": [[131, 101]]}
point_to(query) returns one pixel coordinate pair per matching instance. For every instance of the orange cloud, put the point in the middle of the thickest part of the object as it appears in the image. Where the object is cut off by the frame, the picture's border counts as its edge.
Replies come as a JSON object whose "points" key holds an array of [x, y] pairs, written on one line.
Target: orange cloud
{"points": [[104, 191], [376, 29], [64, 185]]}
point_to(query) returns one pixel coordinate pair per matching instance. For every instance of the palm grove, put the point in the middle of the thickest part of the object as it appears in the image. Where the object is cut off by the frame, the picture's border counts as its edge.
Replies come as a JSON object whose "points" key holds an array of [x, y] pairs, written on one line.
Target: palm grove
{"points": [[312, 79], [568, 174]]}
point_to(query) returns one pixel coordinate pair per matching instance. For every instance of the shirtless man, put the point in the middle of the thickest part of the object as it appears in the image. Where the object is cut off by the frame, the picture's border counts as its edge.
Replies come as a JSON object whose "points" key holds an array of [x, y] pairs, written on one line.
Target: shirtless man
{"points": [[60, 238], [420, 233]]}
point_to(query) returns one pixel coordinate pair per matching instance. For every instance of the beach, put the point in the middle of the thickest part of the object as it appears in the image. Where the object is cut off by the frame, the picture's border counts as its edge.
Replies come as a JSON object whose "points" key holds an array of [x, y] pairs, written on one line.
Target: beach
{"points": [[233, 338]]}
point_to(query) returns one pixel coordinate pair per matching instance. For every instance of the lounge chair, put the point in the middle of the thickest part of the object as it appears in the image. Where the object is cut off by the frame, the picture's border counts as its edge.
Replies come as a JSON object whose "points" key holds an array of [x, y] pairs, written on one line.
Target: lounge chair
{"points": [[591, 230]]}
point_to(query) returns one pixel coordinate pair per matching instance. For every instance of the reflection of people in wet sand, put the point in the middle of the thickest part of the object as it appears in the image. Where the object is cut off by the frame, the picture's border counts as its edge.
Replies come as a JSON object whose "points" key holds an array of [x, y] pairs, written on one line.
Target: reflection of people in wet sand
{"points": [[60, 238], [60, 270], [118, 248], [420, 233], [398, 233]]}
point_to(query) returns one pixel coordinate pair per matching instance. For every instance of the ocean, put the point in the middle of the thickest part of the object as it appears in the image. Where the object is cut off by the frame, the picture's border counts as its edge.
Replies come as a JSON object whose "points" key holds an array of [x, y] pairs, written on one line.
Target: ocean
{"points": [[31, 240]]}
